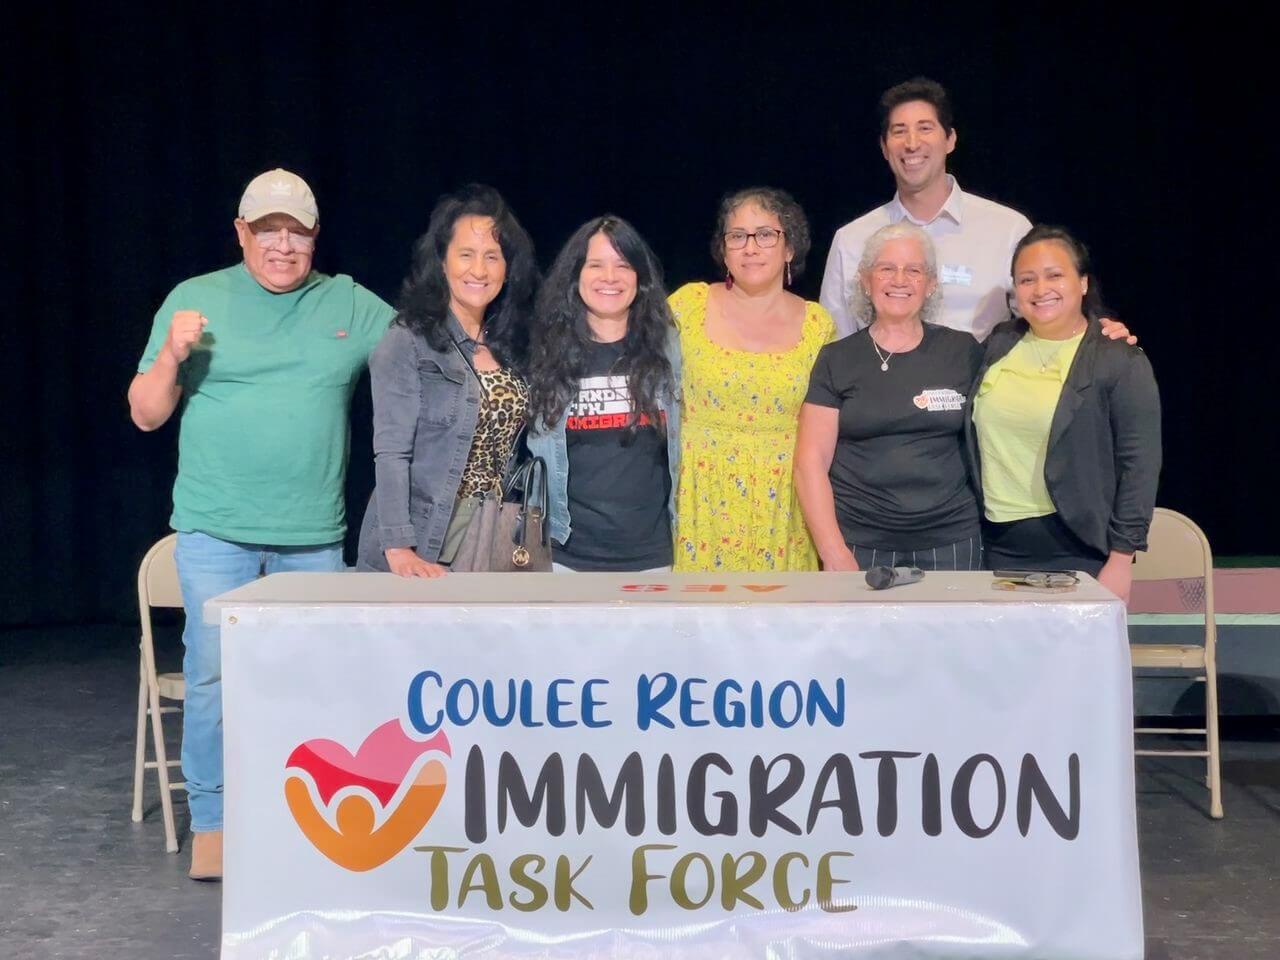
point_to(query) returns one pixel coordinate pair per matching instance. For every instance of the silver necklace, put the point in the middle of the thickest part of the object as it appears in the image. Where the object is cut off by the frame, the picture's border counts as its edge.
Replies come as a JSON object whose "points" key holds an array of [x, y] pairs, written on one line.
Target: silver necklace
{"points": [[884, 359], [1044, 364]]}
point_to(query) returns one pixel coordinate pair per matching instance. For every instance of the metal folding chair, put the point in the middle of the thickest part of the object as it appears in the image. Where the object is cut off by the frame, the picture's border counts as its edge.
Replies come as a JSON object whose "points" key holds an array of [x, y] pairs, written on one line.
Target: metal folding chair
{"points": [[157, 587], [1178, 550]]}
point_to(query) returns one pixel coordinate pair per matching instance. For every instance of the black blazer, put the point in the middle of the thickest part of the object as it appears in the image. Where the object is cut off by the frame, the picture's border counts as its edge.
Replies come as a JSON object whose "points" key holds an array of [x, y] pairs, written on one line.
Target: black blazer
{"points": [[1103, 462]]}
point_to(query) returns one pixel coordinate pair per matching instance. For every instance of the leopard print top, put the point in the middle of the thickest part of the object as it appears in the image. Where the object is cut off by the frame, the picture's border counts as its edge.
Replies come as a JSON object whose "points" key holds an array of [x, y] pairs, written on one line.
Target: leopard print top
{"points": [[504, 399]]}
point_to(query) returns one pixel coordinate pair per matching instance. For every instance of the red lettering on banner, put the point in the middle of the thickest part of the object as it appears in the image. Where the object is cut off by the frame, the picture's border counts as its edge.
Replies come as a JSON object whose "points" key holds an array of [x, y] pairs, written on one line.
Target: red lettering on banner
{"points": [[700, 587]]}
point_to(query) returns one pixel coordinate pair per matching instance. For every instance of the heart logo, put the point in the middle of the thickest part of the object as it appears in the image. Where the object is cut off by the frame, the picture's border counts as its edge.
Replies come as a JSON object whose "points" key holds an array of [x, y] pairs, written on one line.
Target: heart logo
{"points": [[921, 400], [380, 766]]}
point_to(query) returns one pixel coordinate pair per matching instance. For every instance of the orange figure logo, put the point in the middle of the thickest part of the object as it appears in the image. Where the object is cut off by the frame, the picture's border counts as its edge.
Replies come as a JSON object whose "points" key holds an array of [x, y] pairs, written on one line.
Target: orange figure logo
{"points": [[380, 766]]}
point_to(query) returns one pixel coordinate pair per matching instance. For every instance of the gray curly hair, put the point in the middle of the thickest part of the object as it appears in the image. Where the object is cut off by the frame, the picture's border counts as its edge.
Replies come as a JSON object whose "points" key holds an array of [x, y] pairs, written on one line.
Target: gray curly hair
{"points": [[859, 301]]}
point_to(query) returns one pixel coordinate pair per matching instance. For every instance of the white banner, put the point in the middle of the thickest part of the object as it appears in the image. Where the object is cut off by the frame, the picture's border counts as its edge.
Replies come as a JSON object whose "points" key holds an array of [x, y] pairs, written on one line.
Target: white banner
{"points": [[720, 778]]}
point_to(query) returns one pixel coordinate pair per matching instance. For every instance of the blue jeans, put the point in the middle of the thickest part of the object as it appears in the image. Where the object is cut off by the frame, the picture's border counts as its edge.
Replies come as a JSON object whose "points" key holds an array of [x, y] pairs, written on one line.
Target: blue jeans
{"points": [[208, 567]]}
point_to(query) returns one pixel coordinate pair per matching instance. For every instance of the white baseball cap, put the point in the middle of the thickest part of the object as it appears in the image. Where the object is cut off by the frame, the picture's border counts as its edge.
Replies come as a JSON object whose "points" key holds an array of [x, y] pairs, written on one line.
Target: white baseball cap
{"points": [[279, 191]]}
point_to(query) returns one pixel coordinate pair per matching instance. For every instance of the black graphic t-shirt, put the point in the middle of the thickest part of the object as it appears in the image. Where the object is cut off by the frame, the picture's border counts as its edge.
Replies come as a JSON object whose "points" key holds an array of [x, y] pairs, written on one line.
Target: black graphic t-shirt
{"points": [[618, 494], [898, 473]]}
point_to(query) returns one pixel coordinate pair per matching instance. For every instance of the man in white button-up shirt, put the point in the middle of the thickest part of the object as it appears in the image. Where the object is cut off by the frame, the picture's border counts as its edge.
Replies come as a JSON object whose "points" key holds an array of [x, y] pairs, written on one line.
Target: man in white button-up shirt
{"points": [[974, 237]]}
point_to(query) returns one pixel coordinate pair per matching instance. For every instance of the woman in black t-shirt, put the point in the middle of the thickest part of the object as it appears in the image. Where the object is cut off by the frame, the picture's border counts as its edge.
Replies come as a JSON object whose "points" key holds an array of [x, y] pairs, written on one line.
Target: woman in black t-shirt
{"points": [[606, 418], [880, 465]]}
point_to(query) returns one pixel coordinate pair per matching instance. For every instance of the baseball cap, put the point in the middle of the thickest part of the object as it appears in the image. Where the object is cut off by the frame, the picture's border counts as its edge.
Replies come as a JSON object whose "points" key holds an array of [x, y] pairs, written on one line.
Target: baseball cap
{"points": [[279, 191]]}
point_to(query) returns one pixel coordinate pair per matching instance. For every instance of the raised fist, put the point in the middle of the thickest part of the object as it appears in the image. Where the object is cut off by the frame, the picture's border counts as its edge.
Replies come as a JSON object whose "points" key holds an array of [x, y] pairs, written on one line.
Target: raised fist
{"points": [[184, 333]]}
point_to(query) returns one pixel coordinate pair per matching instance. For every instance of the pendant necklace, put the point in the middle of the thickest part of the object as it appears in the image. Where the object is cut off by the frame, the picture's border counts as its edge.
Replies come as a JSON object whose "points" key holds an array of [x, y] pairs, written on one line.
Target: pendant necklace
{"points": [[1044, 364], [884, 358]]}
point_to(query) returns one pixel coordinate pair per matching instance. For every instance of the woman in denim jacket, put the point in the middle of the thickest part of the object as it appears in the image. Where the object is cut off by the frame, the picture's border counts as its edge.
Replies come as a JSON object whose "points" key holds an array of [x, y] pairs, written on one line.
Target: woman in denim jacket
{"points": [[604, 375], [449, 397]]}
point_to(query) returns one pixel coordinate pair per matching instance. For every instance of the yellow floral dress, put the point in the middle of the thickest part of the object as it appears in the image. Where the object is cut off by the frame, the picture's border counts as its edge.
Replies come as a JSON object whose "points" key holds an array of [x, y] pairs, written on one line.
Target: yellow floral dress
{"points": [[736, 507]]}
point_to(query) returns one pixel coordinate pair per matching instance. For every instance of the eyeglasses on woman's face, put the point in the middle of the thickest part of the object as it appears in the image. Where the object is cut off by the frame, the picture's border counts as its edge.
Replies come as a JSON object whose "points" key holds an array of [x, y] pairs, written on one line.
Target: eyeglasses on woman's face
{"points": [[764, 237]]}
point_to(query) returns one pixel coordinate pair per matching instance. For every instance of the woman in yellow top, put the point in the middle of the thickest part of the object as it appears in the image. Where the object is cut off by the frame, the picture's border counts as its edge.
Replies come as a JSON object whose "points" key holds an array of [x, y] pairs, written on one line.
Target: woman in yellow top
{"points": [[1067, 437], [748, 347]]}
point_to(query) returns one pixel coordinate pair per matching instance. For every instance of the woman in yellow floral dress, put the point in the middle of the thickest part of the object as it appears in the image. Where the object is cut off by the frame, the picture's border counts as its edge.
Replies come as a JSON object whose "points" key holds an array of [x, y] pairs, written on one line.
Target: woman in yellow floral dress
{"points": [[748, 347]]}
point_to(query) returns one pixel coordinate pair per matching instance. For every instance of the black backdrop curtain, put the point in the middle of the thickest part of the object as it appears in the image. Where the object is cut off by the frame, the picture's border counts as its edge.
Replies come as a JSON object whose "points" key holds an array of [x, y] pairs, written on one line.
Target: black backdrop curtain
{"points": [[127, 140]]}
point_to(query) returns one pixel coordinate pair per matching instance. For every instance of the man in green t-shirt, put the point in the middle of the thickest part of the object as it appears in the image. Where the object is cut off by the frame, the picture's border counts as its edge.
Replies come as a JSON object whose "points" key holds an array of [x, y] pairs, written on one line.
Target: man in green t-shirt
{"points": [[263, 357]]}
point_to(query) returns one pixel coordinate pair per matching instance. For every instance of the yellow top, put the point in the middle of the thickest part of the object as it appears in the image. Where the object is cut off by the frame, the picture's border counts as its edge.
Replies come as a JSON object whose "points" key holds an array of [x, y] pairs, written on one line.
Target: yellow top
{"points": [[1013, 412], [736, 508]]}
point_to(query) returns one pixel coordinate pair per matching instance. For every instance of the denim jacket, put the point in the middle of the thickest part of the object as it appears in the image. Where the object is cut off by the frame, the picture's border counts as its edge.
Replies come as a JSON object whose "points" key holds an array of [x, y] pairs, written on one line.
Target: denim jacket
{"points": [[551, 444], [426, 404]]}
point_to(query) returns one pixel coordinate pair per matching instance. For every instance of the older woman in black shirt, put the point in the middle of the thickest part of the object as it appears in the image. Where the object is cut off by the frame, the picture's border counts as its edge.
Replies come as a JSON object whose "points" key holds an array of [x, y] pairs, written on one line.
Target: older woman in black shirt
{"points": [[879, 465]]}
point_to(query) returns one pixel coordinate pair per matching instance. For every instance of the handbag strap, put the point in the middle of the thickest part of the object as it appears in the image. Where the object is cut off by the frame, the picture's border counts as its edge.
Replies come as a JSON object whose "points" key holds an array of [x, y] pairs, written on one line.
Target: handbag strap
{"points": [[530, 475]]}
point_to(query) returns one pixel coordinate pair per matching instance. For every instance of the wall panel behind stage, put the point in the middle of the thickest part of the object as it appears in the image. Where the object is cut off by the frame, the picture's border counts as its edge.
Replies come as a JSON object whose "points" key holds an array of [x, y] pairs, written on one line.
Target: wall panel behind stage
{"points": [[128, 140]]}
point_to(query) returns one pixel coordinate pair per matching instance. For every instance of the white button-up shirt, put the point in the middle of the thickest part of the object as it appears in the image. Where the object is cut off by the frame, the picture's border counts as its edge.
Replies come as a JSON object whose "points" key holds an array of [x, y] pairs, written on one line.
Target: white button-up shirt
{"points": [[974, 239]]}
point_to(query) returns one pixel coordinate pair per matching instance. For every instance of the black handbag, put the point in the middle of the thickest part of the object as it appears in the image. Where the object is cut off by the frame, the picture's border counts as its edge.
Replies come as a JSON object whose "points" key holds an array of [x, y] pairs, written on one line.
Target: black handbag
{"points": [[509, 535]]}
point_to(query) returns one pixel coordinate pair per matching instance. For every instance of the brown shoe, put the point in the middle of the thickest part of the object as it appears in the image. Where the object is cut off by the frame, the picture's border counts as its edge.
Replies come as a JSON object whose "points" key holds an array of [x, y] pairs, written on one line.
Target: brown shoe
{"points": [[206, 856]]}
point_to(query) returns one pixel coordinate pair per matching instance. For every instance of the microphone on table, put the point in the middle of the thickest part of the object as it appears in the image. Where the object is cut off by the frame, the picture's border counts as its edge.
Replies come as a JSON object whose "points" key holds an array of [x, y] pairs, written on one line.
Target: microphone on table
{"points": [[882, 578]]}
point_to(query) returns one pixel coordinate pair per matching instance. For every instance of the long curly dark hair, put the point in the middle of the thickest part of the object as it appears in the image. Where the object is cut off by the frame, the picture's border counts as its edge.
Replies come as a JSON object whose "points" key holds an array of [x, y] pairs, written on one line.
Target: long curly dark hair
{"points": [[424, 298], [561, 335]]}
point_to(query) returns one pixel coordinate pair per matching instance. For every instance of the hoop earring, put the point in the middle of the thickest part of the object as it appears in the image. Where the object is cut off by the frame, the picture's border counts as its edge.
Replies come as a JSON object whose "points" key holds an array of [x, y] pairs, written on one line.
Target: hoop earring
{"points": [[788, 273], [728, 280]]}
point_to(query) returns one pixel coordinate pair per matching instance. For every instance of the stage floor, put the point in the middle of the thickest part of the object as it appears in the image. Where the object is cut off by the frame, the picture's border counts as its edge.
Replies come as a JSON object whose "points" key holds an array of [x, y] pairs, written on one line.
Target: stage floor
{"points": [[80, 880]]}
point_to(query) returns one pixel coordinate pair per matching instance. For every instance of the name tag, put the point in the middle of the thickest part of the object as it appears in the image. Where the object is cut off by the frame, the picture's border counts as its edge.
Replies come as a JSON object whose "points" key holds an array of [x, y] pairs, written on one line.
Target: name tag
{"points": [[935, 401], [956, 273]]}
